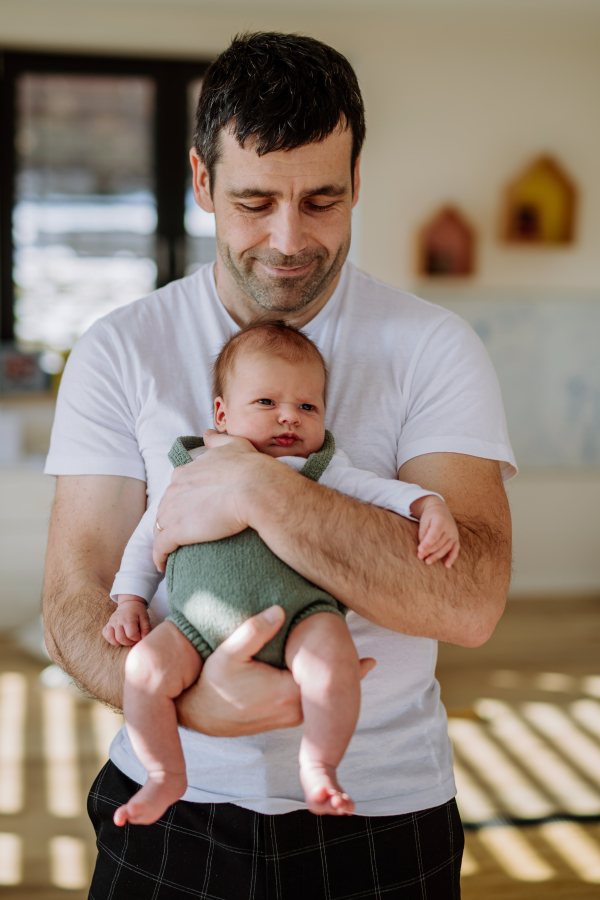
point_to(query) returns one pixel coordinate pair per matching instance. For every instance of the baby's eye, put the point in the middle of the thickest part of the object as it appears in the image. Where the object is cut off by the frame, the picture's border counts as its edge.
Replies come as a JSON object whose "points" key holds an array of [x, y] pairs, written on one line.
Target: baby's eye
{"points": [[307, 406], [266, 402]]}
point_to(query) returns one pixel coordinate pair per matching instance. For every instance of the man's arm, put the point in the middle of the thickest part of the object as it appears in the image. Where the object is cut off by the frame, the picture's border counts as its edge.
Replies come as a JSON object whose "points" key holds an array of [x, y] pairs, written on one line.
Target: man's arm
{"points": [[362, 555], [92, 519], [368, 557]]}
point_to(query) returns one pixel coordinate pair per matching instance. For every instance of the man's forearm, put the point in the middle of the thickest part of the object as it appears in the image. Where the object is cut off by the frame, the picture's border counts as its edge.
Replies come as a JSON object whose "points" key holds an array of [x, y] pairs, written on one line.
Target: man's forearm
{"points": [[75, 612], [366, 557]]}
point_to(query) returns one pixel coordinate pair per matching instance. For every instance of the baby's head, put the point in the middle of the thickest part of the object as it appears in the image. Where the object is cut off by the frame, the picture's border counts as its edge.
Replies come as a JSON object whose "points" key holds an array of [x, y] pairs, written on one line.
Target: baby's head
{"points": [[269, 384]]}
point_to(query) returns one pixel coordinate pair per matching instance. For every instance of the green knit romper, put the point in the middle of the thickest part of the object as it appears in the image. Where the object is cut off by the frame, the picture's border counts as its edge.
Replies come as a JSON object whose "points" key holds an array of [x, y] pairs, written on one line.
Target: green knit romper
{"points": [[214, 587]]}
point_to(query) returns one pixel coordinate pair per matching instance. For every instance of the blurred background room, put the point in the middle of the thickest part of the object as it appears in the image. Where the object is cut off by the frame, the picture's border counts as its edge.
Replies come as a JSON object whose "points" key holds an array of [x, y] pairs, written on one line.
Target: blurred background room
{"points": [[481, 193]]}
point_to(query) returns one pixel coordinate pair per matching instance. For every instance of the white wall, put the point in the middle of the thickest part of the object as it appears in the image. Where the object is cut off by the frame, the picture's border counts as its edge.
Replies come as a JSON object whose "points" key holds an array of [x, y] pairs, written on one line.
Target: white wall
{"points": [[459, 96]]}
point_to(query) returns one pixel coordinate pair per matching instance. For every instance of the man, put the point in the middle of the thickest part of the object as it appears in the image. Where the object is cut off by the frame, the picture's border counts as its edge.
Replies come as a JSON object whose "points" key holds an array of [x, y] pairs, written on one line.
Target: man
{"points": [[280, 126]]}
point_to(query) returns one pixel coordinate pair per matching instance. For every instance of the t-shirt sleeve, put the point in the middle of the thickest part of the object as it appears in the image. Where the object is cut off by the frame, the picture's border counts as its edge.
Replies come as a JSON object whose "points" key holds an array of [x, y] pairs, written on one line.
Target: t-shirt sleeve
{"points": [[453, 400], [94, 425]]}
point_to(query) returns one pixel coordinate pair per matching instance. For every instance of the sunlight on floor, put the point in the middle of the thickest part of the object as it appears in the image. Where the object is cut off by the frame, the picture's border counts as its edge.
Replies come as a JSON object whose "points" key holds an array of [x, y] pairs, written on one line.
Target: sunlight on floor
{"points": [[575, 846], [11, 859], [13, 693], [60, 749], [522, 762], [515, 854], [68, 868], [525, 769]]}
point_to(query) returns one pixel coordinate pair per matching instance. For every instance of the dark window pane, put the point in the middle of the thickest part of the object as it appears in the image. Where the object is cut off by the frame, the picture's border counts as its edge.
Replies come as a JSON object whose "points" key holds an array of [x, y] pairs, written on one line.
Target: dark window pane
{"points": [[85, 216]]}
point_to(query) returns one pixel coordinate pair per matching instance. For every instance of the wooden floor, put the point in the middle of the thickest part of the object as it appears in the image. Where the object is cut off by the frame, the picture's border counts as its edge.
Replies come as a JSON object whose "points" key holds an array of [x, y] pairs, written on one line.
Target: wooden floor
{"points": [[543, 657]]}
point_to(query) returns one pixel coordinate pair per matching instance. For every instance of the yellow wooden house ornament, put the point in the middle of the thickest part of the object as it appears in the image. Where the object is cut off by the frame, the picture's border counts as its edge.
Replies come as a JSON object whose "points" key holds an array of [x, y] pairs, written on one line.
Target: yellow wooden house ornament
{"points": [[540, 205]]}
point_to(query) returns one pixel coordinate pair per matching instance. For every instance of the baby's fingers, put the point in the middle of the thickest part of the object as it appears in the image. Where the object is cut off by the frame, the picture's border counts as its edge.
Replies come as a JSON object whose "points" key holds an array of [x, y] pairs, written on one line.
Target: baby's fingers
{"points": [[432, 543], [108, 633], [145, 627], [451, 558], [439, 553], [121, 636], [132, 629]]}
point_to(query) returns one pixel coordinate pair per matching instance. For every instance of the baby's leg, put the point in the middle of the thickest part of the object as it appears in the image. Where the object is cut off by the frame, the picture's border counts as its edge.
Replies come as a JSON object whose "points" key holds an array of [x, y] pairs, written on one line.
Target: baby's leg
{"points": [[157, 670], [321, 656]]}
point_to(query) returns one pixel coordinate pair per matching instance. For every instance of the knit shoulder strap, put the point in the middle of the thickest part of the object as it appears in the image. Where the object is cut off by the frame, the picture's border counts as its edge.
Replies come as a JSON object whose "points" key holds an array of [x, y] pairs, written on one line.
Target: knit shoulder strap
{"points": [[179, 452], [317, 462]]}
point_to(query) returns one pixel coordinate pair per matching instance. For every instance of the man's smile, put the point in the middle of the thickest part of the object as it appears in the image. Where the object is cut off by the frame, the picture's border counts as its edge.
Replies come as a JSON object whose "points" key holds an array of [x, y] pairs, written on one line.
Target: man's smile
{"points": [[288, 271]]}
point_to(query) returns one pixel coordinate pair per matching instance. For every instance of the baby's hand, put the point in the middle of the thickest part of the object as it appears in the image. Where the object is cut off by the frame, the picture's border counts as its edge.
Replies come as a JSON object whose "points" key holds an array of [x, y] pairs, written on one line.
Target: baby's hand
{"points": [[129, 623], [438, 534]]}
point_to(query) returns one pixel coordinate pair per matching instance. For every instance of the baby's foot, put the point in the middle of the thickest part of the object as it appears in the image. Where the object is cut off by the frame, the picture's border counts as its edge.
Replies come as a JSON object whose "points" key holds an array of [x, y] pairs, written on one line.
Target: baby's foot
{"points": [[147, 806], [322, 790]]}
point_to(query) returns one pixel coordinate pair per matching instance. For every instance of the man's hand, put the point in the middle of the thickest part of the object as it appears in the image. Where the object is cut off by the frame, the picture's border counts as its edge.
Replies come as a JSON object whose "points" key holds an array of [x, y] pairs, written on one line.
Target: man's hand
{"points": [[203, 500], [237, 695]]}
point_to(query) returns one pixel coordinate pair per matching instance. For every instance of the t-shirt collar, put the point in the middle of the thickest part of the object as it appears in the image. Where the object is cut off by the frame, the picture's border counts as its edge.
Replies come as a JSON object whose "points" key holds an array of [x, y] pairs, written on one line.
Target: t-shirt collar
{"points": [[310, 327]]}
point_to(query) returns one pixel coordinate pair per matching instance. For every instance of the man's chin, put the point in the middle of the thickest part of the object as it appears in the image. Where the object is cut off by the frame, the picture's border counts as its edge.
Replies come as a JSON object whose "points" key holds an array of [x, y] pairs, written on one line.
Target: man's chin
{"points": [[281, 298]]}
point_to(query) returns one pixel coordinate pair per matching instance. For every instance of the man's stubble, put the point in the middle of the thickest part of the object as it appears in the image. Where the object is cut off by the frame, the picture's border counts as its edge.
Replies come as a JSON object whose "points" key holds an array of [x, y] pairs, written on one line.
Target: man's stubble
{"points": [[283, 294]]}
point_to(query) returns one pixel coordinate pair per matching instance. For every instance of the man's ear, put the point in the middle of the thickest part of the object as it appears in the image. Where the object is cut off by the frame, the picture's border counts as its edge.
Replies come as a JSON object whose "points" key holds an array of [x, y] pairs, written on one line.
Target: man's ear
{"points": [[356, 182], [201, 182], [220, 415]]}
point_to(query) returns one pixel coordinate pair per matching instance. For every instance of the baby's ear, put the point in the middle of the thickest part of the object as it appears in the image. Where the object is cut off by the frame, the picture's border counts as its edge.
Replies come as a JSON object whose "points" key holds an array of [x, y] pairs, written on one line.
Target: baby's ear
{"points": [[220, 415]]}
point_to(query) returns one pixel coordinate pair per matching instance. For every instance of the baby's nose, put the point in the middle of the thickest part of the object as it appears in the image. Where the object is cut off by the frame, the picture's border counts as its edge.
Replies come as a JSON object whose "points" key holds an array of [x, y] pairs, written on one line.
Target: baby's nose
{"points": [[289, 413]]}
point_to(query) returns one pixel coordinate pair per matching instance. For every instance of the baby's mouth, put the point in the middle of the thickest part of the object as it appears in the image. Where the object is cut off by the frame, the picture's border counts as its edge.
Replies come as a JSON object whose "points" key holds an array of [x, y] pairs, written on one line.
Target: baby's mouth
{"points": [[286, 440]]}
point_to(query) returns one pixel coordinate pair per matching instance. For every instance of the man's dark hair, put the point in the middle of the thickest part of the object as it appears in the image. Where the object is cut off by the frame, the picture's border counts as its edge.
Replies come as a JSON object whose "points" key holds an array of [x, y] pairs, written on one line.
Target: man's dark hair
{"points": [[285, 90]]}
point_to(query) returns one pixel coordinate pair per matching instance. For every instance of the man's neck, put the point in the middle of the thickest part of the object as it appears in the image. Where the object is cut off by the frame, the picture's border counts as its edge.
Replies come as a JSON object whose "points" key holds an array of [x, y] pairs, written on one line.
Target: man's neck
{"points": [[243, 309]]}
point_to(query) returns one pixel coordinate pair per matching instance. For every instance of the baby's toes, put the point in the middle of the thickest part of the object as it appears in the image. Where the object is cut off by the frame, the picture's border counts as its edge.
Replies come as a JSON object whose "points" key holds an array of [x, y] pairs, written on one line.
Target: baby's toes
{"points": [[342, 804]]}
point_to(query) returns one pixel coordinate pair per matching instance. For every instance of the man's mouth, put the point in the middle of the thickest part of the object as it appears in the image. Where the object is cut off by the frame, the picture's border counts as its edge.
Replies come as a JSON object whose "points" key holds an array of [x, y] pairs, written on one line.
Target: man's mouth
{"points": [[287, 271], [286, 440]]}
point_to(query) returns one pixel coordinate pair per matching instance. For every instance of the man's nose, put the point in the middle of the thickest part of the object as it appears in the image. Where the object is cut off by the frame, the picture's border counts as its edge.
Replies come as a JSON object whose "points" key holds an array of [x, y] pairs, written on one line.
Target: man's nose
{"points": [[287, 231]]}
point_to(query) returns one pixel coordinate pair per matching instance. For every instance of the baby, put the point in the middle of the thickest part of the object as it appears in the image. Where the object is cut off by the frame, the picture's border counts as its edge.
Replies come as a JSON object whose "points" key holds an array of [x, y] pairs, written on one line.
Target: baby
{"points": [[269, 388]]}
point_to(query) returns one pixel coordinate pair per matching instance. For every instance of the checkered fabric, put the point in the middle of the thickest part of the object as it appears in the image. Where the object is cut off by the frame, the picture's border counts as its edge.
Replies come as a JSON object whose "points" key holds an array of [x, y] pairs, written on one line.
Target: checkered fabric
{"points": [[218, 851]]}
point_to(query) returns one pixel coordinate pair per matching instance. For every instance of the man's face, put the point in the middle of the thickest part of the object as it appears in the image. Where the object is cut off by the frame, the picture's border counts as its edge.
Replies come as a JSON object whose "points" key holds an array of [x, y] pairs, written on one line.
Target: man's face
{"points": [[283, 220]]}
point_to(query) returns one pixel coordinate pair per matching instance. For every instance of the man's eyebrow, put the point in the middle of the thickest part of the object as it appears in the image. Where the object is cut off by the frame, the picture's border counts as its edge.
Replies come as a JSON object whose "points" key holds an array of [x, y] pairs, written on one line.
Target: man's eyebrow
{"points": [[325, 190]]}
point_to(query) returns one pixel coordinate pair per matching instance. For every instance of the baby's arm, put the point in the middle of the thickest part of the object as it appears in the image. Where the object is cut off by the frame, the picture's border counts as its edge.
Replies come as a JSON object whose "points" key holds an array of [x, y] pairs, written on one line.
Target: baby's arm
{"points": [[135, 585], [408, 500]]}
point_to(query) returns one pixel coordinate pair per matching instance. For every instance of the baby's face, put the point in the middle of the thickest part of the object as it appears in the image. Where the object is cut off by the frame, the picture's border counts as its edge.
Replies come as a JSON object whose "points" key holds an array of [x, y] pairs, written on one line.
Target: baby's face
{"points": [[275, 404]]}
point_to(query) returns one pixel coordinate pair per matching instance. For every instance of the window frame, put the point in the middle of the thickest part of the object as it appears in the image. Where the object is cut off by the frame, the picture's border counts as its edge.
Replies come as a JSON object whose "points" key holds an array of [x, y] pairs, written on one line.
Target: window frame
{"points": [[171, 78]]}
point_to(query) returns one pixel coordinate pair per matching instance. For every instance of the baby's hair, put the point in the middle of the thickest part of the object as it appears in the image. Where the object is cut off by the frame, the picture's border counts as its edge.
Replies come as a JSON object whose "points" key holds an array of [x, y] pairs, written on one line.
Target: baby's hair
{"points": [[267, 338]]}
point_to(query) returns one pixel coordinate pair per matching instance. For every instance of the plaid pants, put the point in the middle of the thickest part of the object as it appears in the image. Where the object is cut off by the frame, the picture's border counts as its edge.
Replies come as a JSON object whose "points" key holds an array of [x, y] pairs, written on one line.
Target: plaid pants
{"points": [[218, 851]]}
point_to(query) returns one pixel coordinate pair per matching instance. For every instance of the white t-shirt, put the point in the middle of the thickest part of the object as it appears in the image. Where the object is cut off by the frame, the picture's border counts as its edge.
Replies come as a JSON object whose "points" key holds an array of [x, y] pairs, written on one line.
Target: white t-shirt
{"points": [[407, 378], [138, 575]]}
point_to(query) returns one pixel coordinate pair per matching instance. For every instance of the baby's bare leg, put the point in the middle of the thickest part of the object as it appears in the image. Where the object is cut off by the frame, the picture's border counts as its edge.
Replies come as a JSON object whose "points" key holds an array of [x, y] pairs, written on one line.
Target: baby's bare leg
{"points": [[157, 670], [321, 656]]}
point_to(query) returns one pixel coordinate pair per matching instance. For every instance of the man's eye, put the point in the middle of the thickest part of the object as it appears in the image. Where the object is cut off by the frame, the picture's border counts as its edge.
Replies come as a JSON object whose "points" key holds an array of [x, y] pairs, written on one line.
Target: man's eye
{"points": [[265, 402], [307, 406], [255, 208], [316, 207]]}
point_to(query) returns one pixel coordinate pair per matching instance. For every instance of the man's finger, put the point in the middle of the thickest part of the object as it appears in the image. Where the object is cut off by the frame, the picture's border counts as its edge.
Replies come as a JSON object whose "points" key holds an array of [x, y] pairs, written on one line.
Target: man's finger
{"points": [[253, 634], [366, 665], [163, 545]]}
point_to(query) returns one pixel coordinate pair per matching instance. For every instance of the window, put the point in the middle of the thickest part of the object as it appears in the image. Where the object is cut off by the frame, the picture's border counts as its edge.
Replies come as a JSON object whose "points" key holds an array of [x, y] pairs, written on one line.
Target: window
{"points": [[98, 208]]}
